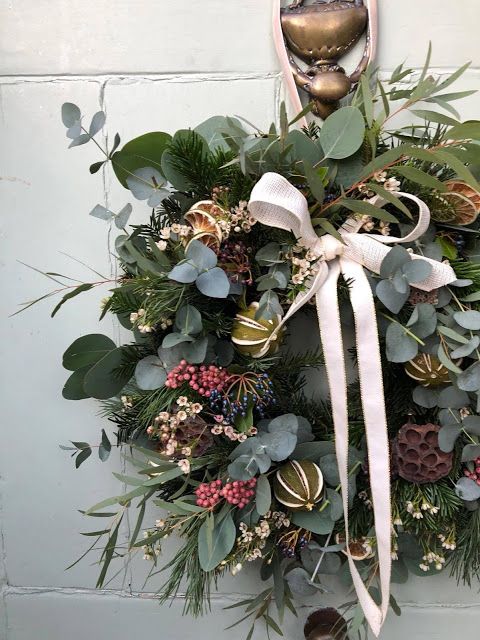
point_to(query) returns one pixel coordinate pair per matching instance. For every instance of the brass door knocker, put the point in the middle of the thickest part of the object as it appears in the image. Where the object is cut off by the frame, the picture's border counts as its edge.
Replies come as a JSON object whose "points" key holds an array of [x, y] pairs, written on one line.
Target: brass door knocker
{"points": [[320, 34]]}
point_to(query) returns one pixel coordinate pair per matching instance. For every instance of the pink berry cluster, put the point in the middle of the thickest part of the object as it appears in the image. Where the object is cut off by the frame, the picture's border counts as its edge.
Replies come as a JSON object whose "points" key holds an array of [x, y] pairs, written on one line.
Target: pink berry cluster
{"points": [[203, 379], [474, 475], [238, 493]]}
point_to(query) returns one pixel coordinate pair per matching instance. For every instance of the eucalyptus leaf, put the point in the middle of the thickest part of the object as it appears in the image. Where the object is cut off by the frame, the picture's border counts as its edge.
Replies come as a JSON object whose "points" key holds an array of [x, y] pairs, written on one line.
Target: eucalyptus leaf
{"points": [[467, 349], [263, 495], [243, 468], [123, 216], [188, 320], [196, 351], [315, 182], [87, 350], [299, 582], [400, 346], [391, 298], [146, 184], [396, 258], [105, 379], [73, 388], [423, 320], [146, 150], [467, 489], [101, 212], [470, 452], [213, 283], [452, 398], [417, 270], [97, 123], [214, 547], [314, 521], [468, 319], [83, 138], [172, 339], [447, 436], [342, 133], [70, 114], [469, 380], [184, 272], [425, 397], [150, 373], [278, 445]]}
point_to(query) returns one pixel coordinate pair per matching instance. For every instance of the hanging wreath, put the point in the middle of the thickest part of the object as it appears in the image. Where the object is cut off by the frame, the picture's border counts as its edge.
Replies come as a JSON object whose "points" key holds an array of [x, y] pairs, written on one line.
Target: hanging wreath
{"points": [[362, 225]]}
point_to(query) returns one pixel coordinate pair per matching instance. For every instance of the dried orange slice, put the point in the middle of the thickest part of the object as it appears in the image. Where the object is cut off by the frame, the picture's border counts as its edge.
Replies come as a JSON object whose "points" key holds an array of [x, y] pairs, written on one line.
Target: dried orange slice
{"points": [[465, 201]]}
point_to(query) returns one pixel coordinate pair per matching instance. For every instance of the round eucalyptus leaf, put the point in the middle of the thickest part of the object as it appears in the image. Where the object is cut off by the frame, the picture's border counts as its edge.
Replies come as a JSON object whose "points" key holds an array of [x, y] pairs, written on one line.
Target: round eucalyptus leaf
{"points": [[329, 467], [400, 346], [196, 351], [213, 283], [468, 319], [447, 436], [73, 388], [304, 147], [172, 339], [184, 272], [452, 398], [470, 452], [105, 379], [336, 505], [469, 380], [390, 296], [394, 260], [70, 114], [150, 374], [200, 255], [342, 133], [467, 489], [417, 270], [243, 468], [278, 445], [299, 582], [144, 182], [465, 350], [87, 350], [314, 521], [97, 123], [425, 397], [212, 129], [146, 150], [188, 320], [286, 422]]}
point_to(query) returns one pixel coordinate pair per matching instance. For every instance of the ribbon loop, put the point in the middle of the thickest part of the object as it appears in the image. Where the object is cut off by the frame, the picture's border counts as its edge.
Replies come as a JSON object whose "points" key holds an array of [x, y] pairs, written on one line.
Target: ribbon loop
{"points": [[277, 203]]}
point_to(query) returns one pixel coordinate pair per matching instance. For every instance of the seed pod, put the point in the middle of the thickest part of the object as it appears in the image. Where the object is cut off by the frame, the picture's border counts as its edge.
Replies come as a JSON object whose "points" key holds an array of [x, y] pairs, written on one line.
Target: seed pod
{"points": [[299, 485], [252, 337], [427, 370]]}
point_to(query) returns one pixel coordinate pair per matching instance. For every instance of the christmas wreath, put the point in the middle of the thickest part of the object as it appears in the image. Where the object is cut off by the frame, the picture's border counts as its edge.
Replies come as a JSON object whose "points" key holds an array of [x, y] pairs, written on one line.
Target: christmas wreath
{"points": [[229, 448]]}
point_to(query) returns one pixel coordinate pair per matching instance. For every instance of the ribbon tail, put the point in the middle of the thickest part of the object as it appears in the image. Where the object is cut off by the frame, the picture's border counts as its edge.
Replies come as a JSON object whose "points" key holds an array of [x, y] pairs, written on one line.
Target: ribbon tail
{"points": [[332, 343], [373, 405]]}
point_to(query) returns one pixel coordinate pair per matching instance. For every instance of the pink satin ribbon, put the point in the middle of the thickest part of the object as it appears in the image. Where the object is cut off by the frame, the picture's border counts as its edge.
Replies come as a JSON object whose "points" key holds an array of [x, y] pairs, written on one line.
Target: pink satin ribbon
{"points": [[277, 203]]}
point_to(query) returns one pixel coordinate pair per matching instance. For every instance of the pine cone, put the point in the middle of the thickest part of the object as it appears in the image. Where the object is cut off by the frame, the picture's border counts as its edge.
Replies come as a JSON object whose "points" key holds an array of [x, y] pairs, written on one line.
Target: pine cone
{"points": [[416, 455]]}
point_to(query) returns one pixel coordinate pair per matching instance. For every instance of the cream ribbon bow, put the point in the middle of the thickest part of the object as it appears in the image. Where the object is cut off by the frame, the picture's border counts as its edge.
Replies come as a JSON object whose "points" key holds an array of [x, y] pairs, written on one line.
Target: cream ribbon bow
{"points": [[276, 203]]}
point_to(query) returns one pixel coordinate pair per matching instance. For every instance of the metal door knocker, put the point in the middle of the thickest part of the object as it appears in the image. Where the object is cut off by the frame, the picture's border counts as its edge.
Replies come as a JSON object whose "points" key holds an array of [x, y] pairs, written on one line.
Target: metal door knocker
{"points": [[320, 34]]}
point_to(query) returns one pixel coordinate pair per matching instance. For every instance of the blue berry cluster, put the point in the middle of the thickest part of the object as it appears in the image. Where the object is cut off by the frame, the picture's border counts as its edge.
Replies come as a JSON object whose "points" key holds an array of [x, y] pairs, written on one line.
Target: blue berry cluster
{"points": [[259, 394]]}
